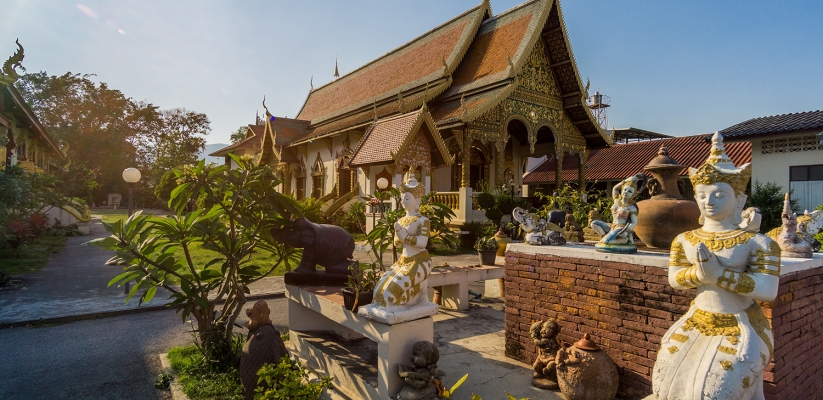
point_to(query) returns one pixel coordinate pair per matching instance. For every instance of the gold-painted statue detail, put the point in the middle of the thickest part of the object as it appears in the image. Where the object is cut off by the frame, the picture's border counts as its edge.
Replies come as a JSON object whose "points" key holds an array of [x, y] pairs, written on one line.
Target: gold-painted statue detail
{"points": [[719, 348], [404, 287]]}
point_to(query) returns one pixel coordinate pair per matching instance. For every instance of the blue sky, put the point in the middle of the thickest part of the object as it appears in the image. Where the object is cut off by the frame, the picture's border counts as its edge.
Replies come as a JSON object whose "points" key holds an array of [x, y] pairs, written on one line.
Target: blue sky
{"points": [[675, 67]]}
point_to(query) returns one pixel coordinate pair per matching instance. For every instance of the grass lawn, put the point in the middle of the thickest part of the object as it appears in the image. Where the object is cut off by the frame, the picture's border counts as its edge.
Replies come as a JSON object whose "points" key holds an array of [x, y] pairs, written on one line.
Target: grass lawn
{"points": [[199, 256], [198, 381], [32, 256]]}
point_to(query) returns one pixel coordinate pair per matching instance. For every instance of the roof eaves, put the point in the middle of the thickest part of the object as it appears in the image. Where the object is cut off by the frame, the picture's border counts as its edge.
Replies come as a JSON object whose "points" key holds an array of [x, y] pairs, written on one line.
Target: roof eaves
{"points": [[18, 98]]}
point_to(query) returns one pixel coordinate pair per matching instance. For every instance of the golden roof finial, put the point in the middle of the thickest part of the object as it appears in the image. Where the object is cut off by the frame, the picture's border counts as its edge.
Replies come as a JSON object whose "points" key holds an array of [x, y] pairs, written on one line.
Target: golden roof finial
{"points": [[311, 82], [268, 114], [9, 75], [336, 73]]}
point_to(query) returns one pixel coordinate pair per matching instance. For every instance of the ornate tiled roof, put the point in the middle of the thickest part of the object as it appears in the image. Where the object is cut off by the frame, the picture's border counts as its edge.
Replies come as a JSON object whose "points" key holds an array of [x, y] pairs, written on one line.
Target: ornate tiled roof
{"points": [[387, 138], [775, 124], [624, 160], [383, 138], [432, 56]]}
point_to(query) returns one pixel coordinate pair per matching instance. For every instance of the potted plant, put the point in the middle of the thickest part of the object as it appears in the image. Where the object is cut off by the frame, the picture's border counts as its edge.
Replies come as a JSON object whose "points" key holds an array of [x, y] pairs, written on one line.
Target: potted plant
{"points": [[486, 247], [359, 289]]}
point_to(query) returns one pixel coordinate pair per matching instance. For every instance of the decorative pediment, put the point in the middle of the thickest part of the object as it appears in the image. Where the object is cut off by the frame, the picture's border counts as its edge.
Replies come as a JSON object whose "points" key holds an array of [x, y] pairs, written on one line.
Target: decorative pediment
{"points": [[318, 169]]}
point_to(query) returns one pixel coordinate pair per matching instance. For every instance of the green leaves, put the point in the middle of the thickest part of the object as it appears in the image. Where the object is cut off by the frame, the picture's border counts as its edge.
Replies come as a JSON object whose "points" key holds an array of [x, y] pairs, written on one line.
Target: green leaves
{"points": [[238, 209]]}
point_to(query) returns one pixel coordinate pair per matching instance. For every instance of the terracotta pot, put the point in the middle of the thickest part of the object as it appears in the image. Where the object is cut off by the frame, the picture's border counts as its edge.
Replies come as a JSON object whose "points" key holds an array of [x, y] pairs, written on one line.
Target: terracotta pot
{"points": [[666, 215], [348, 299], [487, 257], [660, 221]]}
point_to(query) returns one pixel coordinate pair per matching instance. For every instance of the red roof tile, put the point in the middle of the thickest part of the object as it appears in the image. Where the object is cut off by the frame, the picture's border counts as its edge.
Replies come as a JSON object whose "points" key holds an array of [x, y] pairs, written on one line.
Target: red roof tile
{"points": [[412, 64], [624, 160], [384, 138]]}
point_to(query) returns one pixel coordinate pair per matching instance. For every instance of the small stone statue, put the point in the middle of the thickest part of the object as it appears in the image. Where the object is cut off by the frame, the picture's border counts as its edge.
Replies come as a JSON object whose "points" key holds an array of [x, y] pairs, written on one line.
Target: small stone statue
{"points": [[327, 245], [544, 335], [618, 237], [537, 231], [402, 293], [588, 232], [572, 230], [791, 244], [263, 346], [420, 382], [808, 225], [586, 373]]}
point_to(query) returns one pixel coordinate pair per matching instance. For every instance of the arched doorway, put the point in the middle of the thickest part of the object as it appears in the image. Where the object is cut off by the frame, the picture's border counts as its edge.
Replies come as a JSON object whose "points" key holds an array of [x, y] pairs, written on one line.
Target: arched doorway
{"points": [[478, 168]]}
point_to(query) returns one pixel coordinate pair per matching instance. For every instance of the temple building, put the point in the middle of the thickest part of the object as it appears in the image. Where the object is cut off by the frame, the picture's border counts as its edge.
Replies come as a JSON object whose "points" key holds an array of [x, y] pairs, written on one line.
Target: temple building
{"points": [[467, 102], [27, 143]]}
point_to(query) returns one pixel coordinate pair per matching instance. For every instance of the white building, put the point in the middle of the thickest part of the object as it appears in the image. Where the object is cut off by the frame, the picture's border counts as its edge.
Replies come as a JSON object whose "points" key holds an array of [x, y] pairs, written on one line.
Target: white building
{"points": [[787, 150]]}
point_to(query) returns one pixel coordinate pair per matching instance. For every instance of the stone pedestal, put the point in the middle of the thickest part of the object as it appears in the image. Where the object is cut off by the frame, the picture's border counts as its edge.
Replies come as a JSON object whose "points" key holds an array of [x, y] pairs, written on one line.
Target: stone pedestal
{"points": [[315, 309], [626, 304]]}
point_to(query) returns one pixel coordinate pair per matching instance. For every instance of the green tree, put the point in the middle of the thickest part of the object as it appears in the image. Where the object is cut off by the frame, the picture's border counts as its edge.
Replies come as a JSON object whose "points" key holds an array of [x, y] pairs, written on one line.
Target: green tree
{"points": [[94, 124], [246, 208], [239, 134], [164, 187], [175, 138], [768, 198]]}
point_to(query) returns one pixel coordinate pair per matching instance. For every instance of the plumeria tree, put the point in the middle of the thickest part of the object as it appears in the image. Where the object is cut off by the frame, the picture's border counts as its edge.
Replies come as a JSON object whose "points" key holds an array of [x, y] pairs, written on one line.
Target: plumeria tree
{"points": [[240, 208]]}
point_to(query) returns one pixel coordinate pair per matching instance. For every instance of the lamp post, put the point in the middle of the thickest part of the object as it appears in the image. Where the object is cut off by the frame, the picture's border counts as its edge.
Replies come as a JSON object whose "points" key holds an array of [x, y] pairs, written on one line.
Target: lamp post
{"points": [[382, 184], [131, 176]]}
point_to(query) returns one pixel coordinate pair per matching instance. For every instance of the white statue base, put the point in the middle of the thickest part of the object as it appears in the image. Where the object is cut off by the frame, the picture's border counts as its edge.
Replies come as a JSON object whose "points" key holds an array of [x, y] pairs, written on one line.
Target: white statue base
{"points": [[398, 314]]}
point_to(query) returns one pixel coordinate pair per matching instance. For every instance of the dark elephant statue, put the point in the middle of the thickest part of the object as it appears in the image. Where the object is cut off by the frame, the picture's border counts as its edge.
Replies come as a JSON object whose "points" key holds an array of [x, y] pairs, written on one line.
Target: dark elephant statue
{"points": [[327, 245]]}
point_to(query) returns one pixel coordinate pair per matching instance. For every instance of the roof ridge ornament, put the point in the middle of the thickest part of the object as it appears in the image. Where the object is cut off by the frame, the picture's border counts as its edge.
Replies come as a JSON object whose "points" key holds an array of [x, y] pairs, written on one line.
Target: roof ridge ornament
{"points": [[336, 73], [8, 76], [311, 82], [463, 105], [509, 59]]}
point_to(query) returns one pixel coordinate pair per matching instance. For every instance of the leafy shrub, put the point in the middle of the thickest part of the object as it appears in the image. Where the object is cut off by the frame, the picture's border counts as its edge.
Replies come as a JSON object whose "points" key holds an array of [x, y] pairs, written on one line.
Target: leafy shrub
{"points": [[570, 198], [768, 198], [310, 208], [245, 208], [289, 380], [38, 223], [19, 232], [167, 183], [58, 229]]}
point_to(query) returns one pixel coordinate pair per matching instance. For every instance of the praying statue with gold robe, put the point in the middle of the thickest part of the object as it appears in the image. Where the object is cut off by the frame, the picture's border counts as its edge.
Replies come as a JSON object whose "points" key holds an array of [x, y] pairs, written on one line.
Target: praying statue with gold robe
{"points": [[402, 293], [719, 348]]}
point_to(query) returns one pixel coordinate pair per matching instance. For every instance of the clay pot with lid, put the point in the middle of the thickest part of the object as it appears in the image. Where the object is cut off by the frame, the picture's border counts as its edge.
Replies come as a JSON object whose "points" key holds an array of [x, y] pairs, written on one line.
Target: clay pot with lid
{"points": [[584, 372], [666, 214]]}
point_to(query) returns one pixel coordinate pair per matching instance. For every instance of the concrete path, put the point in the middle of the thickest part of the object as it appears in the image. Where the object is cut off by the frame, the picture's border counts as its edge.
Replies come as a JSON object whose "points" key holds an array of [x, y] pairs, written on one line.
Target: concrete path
{"points": [[109, 358], [74, 282]]}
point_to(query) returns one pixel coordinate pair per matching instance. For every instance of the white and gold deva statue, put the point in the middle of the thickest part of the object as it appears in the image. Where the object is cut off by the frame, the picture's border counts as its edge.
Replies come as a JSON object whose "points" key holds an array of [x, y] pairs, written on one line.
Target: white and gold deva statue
{"points": [[401, 294], [719, 348]]}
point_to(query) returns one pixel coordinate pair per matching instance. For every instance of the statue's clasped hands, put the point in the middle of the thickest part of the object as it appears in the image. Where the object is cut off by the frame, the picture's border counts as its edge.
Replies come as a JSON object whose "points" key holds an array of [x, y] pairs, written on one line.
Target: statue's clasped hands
{"points": [[707, 266]]}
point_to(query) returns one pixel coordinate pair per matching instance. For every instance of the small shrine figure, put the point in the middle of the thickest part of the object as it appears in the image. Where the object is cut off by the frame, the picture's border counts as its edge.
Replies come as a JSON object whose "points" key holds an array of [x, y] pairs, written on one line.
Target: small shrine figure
{"points": [[572, 230], [420, 378], [537, 231], [544, 336], [263, 346], [791, 244], [796, 236], [723, 342], [618, 237], [588, 232], [402, 293]]}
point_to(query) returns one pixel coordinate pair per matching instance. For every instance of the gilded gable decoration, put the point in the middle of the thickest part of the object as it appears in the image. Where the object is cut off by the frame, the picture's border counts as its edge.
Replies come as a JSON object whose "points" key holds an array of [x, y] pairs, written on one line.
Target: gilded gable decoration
{"points": [[318, 169]]}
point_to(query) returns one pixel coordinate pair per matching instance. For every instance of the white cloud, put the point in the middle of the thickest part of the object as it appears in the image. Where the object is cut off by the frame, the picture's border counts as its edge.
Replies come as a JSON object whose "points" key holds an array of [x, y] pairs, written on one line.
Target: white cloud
{"points": [[121, 31], [88, 11]]}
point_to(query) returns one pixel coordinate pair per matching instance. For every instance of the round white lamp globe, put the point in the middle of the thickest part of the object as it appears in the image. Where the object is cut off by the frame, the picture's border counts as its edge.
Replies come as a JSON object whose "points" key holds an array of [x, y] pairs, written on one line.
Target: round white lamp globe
{"points": [[382, 183], [131, 175]]}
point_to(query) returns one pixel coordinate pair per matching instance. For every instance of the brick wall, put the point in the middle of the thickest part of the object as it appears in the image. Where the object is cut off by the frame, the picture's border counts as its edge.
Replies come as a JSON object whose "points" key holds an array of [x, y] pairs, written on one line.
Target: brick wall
{"points": [[628, 307]]}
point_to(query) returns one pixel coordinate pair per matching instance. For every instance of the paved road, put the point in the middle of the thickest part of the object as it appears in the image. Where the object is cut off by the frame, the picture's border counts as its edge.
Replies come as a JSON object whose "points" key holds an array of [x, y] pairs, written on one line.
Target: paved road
{"points": [[108, 358]]}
